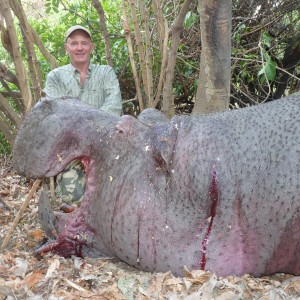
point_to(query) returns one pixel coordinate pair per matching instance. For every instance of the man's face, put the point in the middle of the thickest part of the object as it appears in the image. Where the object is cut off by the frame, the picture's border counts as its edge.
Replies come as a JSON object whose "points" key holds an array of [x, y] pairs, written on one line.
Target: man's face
{"points": [[79, 47]]}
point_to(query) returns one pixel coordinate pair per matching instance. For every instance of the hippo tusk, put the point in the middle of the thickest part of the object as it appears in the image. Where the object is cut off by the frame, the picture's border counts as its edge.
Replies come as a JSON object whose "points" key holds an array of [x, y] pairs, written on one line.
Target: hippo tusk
{"points": [[46, 215]]}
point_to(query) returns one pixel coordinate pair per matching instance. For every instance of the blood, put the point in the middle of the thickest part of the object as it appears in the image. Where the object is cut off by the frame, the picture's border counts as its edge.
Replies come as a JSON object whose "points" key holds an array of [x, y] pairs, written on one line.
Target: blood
{"points": [[76, 233], [71, 241], [85, 161], [64, 246], [138, 240], [214, 197]]}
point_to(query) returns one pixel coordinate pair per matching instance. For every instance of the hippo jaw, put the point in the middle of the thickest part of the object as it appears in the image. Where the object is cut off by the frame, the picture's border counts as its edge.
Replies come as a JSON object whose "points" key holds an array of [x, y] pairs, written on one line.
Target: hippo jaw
{"points": [[75, 235], [36, 164], [46, 143], [79, 235]]}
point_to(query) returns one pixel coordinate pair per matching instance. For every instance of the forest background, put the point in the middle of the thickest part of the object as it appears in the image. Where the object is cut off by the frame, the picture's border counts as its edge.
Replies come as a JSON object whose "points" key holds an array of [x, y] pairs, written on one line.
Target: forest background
{"points": [[181, 57]]}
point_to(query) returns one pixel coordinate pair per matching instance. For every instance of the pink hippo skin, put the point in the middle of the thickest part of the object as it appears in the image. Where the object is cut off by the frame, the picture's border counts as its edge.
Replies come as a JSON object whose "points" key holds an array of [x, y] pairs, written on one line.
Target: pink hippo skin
{"points": [[218, 192]]}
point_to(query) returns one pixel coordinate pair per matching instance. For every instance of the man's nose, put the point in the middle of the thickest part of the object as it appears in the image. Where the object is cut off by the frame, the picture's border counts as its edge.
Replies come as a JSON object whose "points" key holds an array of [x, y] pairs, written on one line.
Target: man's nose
{"points": [[79, 46]]}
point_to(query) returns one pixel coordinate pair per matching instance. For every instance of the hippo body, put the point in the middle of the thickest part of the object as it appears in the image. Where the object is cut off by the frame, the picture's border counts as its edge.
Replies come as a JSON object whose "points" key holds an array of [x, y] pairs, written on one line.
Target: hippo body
{"points": [[218, 192]]}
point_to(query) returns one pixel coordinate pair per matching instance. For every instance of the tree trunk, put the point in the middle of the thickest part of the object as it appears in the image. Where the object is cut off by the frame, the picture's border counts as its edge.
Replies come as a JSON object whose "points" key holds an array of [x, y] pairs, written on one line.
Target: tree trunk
{"points": [[34, 68], [9, 120], [213, 91], [19, 65], [148, 53], [13, 117], [127, 32], [4, 128], [104, 31], [140, 43], [163, 38], [8, 75], [175, 31]]}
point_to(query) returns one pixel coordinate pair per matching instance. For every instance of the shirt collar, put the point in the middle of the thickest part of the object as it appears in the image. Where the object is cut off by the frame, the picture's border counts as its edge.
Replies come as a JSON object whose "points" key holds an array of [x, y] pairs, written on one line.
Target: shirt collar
{"points": [[73, 69]]}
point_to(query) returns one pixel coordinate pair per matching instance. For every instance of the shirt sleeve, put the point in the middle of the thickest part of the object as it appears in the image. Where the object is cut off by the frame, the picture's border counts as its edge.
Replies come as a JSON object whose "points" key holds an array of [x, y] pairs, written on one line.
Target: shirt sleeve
{"points": [[53, 89], [113, 99]]}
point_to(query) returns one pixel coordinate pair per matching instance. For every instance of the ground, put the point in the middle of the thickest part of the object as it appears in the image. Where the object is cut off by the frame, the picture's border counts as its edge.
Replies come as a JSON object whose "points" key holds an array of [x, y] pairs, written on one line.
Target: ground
{"points": [[23, 276]]}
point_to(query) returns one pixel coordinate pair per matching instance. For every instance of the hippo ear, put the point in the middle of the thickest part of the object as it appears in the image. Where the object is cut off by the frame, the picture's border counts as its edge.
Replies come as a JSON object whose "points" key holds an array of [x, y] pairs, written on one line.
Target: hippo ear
{"points": [[163, 145], [127, 125], [152, 117]]}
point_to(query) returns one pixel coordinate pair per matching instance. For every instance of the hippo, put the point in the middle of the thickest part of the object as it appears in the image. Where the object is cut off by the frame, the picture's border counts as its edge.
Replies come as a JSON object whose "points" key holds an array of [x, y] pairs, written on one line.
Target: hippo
{"points": [[217, 192]]}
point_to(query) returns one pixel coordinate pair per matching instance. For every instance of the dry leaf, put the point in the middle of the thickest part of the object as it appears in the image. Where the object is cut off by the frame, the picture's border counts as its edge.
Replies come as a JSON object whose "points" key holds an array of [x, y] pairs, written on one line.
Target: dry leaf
{"points": [[5, 291], [4, 192], [197, 276], [75, 286], [292, 285], [54, 265], [20, 269], [33, 277], [37, 234]]}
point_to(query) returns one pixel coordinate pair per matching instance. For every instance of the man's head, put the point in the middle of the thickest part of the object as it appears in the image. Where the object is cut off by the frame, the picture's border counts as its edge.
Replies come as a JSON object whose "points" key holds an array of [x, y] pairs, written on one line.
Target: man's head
{"points": [[79, 45]]}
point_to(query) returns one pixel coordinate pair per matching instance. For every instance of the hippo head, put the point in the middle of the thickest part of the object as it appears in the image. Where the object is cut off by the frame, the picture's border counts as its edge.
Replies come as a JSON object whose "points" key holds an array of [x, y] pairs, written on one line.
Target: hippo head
{"points": [[119, 155], [59, 131]]}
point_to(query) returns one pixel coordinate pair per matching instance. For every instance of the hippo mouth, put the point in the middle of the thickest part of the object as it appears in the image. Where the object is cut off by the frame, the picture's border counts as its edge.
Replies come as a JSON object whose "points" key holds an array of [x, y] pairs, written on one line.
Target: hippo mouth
{"points": [[66, 230], [60, 167], [85, 163]]}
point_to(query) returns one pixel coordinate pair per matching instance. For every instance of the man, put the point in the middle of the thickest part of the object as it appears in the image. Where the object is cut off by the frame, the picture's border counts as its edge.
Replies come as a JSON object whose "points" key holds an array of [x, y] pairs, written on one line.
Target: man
{"points": [[96, 85]]}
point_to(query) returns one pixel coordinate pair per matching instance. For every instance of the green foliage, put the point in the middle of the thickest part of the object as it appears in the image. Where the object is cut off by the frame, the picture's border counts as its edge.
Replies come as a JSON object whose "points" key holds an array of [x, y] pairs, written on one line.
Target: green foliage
{"points": [[264, 51], [190, 19], [52, 5], [5, 147], [238, 33], [267, 39], [269, 68]]}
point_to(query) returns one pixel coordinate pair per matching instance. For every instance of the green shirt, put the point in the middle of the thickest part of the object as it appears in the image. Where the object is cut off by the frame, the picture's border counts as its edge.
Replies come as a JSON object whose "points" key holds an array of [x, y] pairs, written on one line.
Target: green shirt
{"points": [[101, 88]]}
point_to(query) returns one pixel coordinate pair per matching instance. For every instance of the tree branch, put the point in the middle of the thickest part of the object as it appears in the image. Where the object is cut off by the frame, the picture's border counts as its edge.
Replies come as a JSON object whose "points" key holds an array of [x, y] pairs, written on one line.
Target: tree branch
{"points": [[104, 31], [19, 65]]}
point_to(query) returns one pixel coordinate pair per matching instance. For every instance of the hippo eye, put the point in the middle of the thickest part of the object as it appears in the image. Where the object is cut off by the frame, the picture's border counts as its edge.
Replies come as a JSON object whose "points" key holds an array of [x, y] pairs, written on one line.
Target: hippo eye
{"points": [[39, 143], [120, 131]]}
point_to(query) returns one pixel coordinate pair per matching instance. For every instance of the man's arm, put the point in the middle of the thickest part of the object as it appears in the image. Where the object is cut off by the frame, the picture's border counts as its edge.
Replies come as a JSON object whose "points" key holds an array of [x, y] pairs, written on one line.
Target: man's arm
{"points": [[113, 99], [53, 89]]}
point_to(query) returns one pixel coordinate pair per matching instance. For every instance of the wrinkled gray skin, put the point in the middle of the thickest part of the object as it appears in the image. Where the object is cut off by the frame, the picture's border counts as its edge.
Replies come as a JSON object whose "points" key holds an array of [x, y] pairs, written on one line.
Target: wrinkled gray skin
{"points": [[218, 192]]}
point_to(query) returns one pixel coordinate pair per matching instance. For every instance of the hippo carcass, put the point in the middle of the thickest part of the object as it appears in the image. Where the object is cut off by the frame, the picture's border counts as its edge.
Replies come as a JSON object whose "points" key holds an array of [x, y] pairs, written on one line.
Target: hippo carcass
{"points": [[219, 192]]}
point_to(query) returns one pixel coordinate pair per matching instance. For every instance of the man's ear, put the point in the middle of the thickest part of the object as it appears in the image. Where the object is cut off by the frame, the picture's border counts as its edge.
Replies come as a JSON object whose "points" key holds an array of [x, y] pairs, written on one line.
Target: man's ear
{"points": [[92, 48]]}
